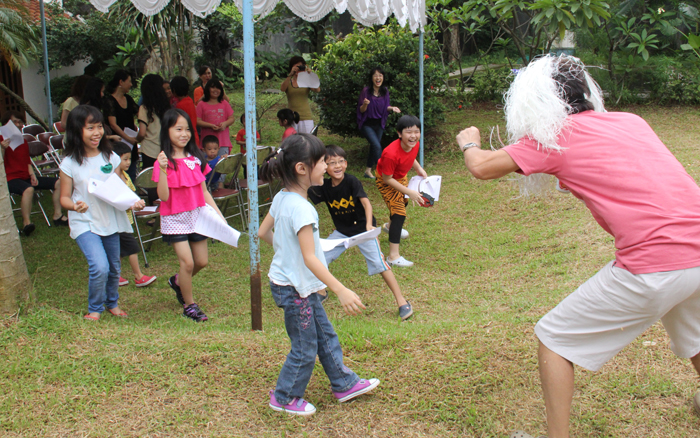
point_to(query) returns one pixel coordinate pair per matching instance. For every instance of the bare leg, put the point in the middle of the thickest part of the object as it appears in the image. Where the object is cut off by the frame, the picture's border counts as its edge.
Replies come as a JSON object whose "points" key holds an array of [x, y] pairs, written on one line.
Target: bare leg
{"points": [[390, 281], [200, 255], [26, 205], [394, 251], [56, 198], [696, 362], [557, 376], [368, 171], [134, 263], [184, 278]]}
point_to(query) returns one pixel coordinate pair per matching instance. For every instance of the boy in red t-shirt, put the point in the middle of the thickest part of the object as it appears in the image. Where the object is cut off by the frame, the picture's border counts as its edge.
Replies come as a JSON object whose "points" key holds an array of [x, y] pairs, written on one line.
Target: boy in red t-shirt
{"points": [[22, 181], [240, 137], [393, 166]]}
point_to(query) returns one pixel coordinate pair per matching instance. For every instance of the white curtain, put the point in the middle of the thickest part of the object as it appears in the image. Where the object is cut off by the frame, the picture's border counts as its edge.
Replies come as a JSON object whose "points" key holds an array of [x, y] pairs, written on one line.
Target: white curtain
{"points": [[367, 12]]}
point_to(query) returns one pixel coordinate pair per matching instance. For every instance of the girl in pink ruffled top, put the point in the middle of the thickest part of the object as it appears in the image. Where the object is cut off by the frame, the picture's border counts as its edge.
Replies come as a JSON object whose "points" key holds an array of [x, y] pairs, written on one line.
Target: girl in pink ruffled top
{"points": [[183, 193]]}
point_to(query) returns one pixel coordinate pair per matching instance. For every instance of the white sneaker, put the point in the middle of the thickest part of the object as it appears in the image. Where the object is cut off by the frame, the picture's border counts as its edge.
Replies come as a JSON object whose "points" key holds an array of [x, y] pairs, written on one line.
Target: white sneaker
{"points": [[385, 229], [401, 262]]}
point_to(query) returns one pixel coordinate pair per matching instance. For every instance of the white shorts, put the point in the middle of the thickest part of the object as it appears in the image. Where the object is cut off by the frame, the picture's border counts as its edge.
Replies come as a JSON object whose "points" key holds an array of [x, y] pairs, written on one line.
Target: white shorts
{"points": [[304, 126], [614, 306]]}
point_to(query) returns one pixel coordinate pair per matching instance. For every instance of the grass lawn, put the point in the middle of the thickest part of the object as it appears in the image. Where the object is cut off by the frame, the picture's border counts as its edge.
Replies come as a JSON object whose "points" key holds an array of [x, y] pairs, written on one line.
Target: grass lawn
{"points": [[489, 264]]}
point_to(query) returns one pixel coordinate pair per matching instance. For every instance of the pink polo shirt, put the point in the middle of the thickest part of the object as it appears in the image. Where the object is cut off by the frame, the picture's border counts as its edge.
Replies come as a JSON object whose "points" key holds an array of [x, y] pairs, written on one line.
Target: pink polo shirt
{"points": [[632, 184]]}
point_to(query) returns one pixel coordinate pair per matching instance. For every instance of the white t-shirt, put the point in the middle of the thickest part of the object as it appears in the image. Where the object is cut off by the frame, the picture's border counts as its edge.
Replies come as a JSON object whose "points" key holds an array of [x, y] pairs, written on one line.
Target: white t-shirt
{"points": [[100, 217], [291, 213]]}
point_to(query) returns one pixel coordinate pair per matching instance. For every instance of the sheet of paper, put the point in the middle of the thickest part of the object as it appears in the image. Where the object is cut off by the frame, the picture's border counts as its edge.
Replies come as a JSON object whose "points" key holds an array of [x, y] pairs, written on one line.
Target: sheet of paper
{"points": [[113, 191], [210, 224], [329, 244], [150, 209], [308, 80], [15, 135], [430, 185], [131, 133]]}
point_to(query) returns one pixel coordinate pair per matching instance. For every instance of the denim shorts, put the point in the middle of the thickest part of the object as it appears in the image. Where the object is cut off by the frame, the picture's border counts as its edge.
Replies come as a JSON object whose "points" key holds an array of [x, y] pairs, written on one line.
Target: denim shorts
{"points": [[174, 238]]}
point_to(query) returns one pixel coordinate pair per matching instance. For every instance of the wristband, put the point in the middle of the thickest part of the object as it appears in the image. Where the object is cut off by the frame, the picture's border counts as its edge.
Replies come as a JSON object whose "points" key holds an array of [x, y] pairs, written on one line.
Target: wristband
{"points": [[468, 145], [164, 169]]}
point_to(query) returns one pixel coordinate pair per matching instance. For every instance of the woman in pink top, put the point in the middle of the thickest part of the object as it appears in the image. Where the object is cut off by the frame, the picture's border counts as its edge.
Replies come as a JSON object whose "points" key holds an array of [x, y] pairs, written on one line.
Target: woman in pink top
{"points": [[181, 188], [636, 190], [215, 115]]}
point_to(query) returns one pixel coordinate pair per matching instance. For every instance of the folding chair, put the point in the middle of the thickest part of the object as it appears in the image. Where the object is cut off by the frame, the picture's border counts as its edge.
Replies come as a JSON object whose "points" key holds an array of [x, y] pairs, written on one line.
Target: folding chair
{"points": [[58, 127], [33, 129], [28, 137], [263, 152], [36, 149], [44, 137], [229, 166], [315, 130], [143, 183], [56, 149], [45, 166]]}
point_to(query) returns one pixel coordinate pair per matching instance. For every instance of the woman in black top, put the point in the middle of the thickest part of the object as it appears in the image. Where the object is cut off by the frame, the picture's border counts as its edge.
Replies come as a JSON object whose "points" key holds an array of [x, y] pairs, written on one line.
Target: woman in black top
{"points": [[121, 112]]}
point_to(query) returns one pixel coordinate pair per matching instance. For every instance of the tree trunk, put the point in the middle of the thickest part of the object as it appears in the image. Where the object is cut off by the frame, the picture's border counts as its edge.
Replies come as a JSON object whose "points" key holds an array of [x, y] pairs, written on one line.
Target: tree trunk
{"points": [[453, 49], [25, 106], [14, 278]]}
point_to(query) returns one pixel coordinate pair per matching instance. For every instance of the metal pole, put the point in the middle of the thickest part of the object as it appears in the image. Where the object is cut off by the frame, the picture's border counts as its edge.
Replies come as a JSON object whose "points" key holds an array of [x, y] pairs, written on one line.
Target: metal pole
{"points": [[420, 85], [252, 163], [46, 62]]}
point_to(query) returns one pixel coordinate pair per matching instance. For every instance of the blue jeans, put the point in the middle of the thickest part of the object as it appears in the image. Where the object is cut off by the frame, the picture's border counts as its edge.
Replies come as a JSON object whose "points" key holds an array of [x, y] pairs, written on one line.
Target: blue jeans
{"points": [[311, 334], [373, 134], [102, 254]]}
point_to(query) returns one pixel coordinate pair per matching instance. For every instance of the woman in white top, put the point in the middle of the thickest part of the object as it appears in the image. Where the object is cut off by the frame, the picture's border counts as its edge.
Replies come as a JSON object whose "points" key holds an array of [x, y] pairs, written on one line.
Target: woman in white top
{"points": [[94, 224]]}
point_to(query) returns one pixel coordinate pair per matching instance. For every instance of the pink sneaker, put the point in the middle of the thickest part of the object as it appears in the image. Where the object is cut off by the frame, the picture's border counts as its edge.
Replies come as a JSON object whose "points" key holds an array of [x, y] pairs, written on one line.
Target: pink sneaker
{"points": [[361, 387], [298, 406], [145, 281], [123, 281]]}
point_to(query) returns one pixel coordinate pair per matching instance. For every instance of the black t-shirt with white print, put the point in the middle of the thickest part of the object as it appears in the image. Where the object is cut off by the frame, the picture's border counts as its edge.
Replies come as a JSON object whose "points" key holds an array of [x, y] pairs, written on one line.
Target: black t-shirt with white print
{"points": [[344, 204]]}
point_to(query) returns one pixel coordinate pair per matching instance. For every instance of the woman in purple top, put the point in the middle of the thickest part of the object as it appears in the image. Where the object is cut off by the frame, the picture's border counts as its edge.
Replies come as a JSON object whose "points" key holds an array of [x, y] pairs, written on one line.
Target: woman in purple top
{"points": [[372, 111]]}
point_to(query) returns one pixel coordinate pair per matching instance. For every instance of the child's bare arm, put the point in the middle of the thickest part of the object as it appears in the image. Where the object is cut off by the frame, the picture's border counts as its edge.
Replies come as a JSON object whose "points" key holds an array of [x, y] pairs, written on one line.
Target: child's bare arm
{"points": [[162, 187], [412, 194], [265, 230], [348, 299], [368, 212], [419, 169]]}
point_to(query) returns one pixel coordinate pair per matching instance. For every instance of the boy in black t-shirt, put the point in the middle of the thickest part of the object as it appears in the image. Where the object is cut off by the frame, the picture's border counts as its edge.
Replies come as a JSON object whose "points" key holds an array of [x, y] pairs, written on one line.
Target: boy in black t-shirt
{"points": [[351, 212]]}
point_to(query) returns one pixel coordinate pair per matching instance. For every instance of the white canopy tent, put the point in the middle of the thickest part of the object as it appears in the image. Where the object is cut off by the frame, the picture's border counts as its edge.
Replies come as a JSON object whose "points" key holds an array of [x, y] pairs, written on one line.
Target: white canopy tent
{"points": [[367, 12]]}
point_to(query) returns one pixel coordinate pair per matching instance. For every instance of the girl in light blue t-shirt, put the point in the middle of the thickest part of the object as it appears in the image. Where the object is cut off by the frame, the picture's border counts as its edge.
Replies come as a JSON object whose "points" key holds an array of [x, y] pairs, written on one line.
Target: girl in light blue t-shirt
{"points": [[299, 276], [94, 224]]}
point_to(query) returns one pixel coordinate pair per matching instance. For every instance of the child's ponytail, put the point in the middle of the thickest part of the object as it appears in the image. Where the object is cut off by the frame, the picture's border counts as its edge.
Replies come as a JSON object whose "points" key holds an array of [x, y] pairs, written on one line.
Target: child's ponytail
{"points": [[297, 148], [291, 117]]}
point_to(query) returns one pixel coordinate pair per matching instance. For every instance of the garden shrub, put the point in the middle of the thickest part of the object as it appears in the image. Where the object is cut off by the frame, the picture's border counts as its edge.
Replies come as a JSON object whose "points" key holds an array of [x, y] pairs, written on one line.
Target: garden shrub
{"points": [[490, 85], [345, 67], [60, 89]]}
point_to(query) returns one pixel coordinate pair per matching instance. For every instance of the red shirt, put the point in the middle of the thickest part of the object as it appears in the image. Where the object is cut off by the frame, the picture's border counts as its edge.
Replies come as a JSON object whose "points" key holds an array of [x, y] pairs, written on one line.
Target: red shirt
{"points": [[289, 131], [187, 105], [17, 162], [395, 161], [241, 137], [633, 186]]}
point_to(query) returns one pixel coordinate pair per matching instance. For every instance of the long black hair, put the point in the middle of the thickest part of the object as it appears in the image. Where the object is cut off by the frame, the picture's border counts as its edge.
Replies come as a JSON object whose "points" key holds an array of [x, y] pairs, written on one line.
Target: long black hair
{"points": [[92, 95], [213, 83], [382, 88], [154, 98], [297, 148], [288, 115], [73, 141], [168, 121], [78, 87]]}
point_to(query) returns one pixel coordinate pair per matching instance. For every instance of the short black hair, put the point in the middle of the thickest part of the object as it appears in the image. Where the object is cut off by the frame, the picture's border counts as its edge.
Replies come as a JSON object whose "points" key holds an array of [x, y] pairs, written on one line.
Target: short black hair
{"points": [[180, 86], [407, 121], [120, 148], [333, 150], [10, 114], [210, 139]]}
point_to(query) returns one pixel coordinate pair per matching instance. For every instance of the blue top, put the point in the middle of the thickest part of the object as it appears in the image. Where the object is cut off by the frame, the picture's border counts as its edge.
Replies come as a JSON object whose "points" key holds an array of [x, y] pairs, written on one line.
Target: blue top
{"points": [[215, 176], [291, 213]]}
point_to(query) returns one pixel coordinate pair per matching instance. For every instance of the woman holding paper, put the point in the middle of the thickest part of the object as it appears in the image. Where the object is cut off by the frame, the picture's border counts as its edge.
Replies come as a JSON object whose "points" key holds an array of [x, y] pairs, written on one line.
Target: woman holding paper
{"points": [[94, 224], [298, 97], [121, 111], [372, 111]]}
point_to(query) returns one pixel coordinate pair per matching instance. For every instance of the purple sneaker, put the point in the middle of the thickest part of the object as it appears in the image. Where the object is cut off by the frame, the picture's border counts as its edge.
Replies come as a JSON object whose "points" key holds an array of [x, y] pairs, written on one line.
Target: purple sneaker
{"points": [[360, 388], [298, 406]]}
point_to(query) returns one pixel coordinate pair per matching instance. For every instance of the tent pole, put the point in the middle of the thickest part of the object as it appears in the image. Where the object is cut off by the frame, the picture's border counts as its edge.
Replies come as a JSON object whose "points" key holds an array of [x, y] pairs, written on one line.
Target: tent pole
{"points": [[421, 87], [252, 163], [46, 63]]}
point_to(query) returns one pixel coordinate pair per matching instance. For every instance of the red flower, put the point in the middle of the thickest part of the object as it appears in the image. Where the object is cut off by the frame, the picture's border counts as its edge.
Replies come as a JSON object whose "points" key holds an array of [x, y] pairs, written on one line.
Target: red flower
{"points": [[431, 87], [459, 107], [426, 56]]}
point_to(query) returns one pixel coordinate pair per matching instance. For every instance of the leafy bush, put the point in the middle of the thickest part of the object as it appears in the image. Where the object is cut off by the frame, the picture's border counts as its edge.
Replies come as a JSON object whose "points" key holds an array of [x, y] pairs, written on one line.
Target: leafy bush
{"points": [[60, 89], [491, 85], [345, 66]]}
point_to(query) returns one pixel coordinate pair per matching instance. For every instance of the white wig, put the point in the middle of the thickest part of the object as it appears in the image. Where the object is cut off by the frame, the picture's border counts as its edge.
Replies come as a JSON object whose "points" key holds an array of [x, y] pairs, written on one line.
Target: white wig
{"points": [[540, 99]]}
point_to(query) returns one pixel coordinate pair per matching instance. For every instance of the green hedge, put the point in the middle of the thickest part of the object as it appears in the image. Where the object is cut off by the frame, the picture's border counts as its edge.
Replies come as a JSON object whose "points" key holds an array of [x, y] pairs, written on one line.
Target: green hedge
{"points": [[345, 66]]}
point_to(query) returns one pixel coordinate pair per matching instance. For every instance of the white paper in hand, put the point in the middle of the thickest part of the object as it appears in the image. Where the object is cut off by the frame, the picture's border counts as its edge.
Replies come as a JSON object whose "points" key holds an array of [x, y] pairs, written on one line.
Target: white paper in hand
{"points": [[114, 192], [15, 135], [430, 185], [329, 244], [210, 224], [131, 133], [308, 80]]}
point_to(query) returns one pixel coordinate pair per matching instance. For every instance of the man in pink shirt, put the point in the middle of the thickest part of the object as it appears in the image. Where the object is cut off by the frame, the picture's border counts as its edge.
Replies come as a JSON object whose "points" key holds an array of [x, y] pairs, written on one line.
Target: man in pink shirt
{"points": [[636, 190]]}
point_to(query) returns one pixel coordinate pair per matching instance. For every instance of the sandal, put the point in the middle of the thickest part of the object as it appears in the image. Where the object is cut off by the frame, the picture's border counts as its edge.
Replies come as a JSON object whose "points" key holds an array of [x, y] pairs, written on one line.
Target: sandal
{"points": [[91, 318], [121, 314], [61, 221]]}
